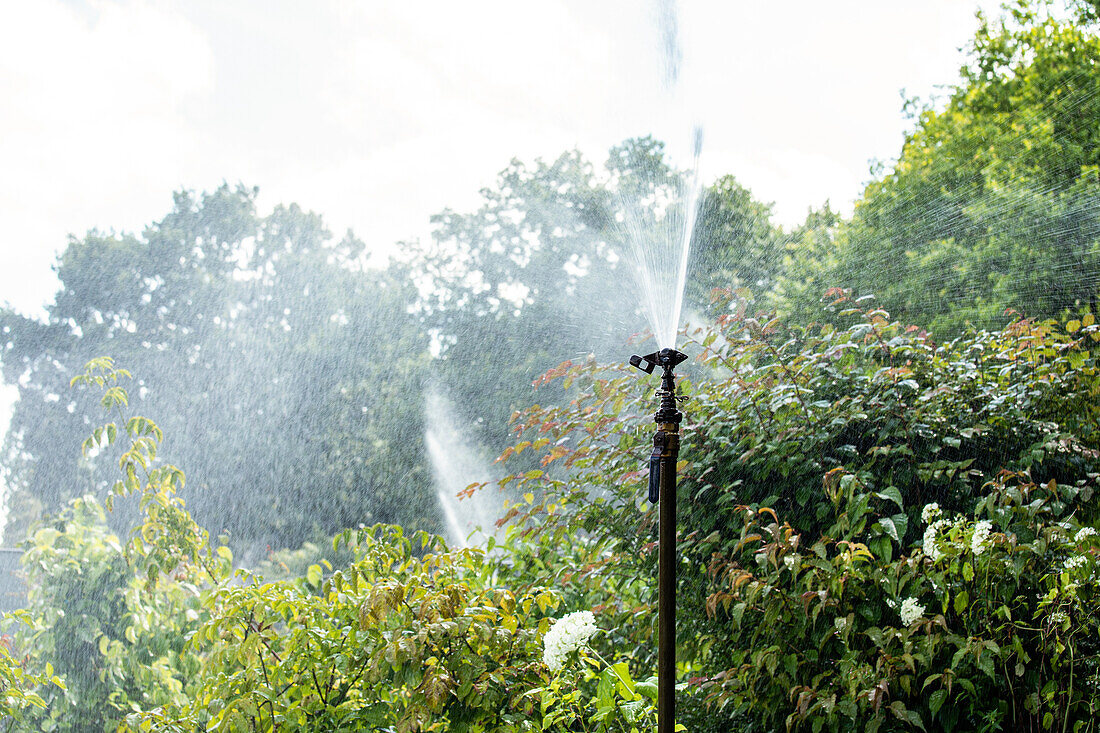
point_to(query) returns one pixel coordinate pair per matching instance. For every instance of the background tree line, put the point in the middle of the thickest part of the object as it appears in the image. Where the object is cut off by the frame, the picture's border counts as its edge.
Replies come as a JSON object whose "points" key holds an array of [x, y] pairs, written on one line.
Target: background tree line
{"points": [[289, 369]]}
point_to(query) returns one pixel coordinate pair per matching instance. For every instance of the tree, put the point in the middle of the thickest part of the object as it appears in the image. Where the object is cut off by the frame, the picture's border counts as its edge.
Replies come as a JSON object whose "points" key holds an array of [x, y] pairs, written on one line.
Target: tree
{"points": [[992, 202], [258, 343], [529, 280], [735, 244], [542, 272]]}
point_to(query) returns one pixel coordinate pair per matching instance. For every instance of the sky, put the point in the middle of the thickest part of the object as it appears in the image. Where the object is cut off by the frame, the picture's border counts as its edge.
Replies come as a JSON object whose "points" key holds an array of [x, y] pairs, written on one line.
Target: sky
{"points": [[377, 114]]}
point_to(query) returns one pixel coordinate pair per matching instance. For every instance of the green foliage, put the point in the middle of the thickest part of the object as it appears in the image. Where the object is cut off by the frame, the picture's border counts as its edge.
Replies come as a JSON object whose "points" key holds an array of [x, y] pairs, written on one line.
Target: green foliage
{"points": [[115, 639], [393, 639], [113, 618], [846, 433], [20, 702], [992, 202], [158, 633], [734, 244], [818, 590], [963, 634], [619, 703], [236, 324], [814, 593]]}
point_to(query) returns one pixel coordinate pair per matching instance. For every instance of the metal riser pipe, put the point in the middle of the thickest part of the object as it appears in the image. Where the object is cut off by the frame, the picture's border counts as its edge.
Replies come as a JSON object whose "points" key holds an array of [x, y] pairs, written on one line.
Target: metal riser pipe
{"points": [[662, 490], [666, 585]]}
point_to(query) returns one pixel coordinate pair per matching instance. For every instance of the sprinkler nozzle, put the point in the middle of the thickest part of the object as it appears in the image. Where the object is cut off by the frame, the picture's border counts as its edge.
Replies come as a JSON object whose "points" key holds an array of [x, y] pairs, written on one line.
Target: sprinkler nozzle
{"points": [[640, 363]]}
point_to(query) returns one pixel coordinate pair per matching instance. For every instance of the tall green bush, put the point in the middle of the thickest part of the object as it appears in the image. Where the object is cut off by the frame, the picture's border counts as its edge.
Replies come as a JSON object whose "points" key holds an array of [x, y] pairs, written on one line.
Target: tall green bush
{"points": [[809, 456]]}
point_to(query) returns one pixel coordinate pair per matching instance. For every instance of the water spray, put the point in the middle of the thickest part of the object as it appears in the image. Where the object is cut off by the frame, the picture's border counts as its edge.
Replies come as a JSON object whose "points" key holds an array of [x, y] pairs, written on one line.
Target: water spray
{"points": [[662, 491]]}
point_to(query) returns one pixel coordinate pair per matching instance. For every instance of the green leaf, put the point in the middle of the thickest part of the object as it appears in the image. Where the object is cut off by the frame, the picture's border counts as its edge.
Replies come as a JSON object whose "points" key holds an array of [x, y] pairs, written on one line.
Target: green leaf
{"points": [[891, 493], [625, 683], [936, 700], [962, 602], [313, 575], [647, 687], [891, 528], [985, 664]]}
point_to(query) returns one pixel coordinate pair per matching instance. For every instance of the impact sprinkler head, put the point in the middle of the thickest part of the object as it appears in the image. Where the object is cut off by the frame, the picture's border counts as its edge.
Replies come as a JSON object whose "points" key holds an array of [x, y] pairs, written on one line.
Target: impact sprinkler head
{"points": [[667, 359]]}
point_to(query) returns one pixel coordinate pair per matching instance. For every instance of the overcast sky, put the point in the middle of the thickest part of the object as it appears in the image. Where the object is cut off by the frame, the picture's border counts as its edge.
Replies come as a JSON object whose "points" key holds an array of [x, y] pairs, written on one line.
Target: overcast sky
{"points": [[378, 113]]}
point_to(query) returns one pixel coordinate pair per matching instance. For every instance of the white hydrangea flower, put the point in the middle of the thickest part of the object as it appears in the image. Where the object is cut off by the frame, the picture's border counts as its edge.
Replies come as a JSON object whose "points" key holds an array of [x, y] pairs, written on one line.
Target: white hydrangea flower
{"points": [[910, 611], [980, 538], [568, 633], [891, 603], [1083, 534], [930, 533], [1075, 562], [930, 512]]}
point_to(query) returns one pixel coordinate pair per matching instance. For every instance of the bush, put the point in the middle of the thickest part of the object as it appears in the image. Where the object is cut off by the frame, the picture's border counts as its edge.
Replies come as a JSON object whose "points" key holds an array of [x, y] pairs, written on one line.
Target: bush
{"points": [[846, 432], [114, 641], [158, 633]]}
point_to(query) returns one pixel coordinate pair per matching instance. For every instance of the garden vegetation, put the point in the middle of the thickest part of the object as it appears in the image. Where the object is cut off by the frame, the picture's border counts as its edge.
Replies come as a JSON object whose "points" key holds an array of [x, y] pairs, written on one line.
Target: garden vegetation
{"points": [[889, 518]]}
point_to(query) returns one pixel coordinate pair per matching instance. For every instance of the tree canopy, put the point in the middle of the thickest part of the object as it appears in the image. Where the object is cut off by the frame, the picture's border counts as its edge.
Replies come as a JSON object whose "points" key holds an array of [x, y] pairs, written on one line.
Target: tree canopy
{"points": [[279, 362], [993, 200]]}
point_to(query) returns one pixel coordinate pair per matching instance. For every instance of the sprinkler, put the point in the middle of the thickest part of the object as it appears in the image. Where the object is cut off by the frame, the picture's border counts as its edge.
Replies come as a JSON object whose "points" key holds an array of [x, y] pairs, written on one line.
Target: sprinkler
{"points": [[662, 491]]}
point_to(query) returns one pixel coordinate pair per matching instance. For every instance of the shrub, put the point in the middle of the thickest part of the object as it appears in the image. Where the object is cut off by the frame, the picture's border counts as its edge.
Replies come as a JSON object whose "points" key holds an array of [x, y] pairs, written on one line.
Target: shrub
{"points": [[415, 643], [846, 431]]}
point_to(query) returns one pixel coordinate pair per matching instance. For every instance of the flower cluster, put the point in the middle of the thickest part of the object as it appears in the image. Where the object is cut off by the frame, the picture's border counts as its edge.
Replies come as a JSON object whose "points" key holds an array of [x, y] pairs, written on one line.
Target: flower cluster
{"points": [[568, 634], [930, 512], [910, 611], [980, 538], [930, 532], [1083, 534], [1076, 561]]}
